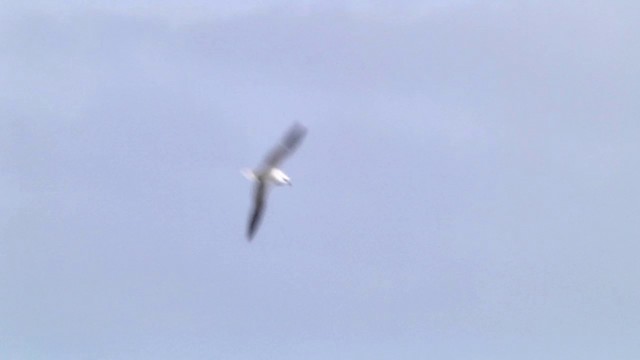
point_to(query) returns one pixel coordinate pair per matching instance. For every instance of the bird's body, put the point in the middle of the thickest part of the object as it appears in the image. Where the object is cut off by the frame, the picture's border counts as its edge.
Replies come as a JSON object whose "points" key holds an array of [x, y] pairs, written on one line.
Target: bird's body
{"points": [[273, 176], [270, 174]]}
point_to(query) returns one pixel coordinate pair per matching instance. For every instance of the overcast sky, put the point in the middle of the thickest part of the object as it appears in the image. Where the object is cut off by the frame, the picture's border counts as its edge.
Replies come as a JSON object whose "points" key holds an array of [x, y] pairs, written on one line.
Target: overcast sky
{"points": [[468, 188]]}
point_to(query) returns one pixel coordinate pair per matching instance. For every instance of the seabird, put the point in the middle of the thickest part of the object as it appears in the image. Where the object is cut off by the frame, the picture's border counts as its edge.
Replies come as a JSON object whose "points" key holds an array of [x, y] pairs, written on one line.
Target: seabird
{"points": [[269, 174]]}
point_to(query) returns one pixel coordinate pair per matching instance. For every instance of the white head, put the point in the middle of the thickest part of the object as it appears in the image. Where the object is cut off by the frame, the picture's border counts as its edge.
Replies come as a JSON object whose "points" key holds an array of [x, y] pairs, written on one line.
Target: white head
{"points": [[279, 177]]}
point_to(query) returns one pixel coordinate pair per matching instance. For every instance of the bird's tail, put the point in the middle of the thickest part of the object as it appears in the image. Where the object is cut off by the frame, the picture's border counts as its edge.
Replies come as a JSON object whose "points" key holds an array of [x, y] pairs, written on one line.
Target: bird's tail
{"points": [[249, 174]]}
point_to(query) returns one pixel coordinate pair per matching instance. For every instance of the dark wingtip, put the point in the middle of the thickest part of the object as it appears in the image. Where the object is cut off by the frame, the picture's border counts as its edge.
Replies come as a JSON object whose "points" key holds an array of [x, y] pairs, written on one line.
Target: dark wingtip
{"points": [[295, 135], [300, 127]]}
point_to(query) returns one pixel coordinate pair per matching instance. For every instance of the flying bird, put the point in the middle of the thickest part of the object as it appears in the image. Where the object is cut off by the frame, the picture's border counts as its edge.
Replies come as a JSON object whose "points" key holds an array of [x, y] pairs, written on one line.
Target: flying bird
{"points": [[270, 174]]}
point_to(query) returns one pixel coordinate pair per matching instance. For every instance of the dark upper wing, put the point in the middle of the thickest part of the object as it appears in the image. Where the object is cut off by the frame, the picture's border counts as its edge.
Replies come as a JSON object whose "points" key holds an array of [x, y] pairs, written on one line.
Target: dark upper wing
{"points": [[290, 142], [258, 208]]}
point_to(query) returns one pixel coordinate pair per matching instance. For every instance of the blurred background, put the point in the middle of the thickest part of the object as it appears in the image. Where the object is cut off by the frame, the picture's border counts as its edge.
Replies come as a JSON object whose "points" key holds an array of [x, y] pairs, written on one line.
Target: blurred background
{"points": [[468, 188]]}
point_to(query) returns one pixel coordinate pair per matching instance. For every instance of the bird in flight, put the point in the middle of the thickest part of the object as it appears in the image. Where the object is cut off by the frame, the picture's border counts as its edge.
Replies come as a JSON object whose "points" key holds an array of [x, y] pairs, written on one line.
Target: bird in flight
{"points": [[270, 174]]}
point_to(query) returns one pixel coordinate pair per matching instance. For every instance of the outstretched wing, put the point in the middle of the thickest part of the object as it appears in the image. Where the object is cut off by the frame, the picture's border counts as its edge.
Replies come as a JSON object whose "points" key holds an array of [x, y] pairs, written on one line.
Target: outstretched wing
{"points": [[290, 142], [260, 194]]}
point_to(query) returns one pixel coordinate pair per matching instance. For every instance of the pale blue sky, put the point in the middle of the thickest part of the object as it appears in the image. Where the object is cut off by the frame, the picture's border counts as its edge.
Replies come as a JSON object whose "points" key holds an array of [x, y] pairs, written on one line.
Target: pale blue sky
{"points": [[468, 188]]}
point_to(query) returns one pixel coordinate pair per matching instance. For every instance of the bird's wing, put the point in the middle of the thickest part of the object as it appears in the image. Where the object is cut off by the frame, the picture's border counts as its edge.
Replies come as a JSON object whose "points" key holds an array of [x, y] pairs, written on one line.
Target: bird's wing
{"points": [[260, 193], [290, 142]]}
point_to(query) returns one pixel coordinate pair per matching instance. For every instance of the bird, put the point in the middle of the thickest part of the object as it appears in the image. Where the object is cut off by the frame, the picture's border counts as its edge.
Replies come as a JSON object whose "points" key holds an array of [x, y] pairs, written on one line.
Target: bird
{"points": [[269, 174]]}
